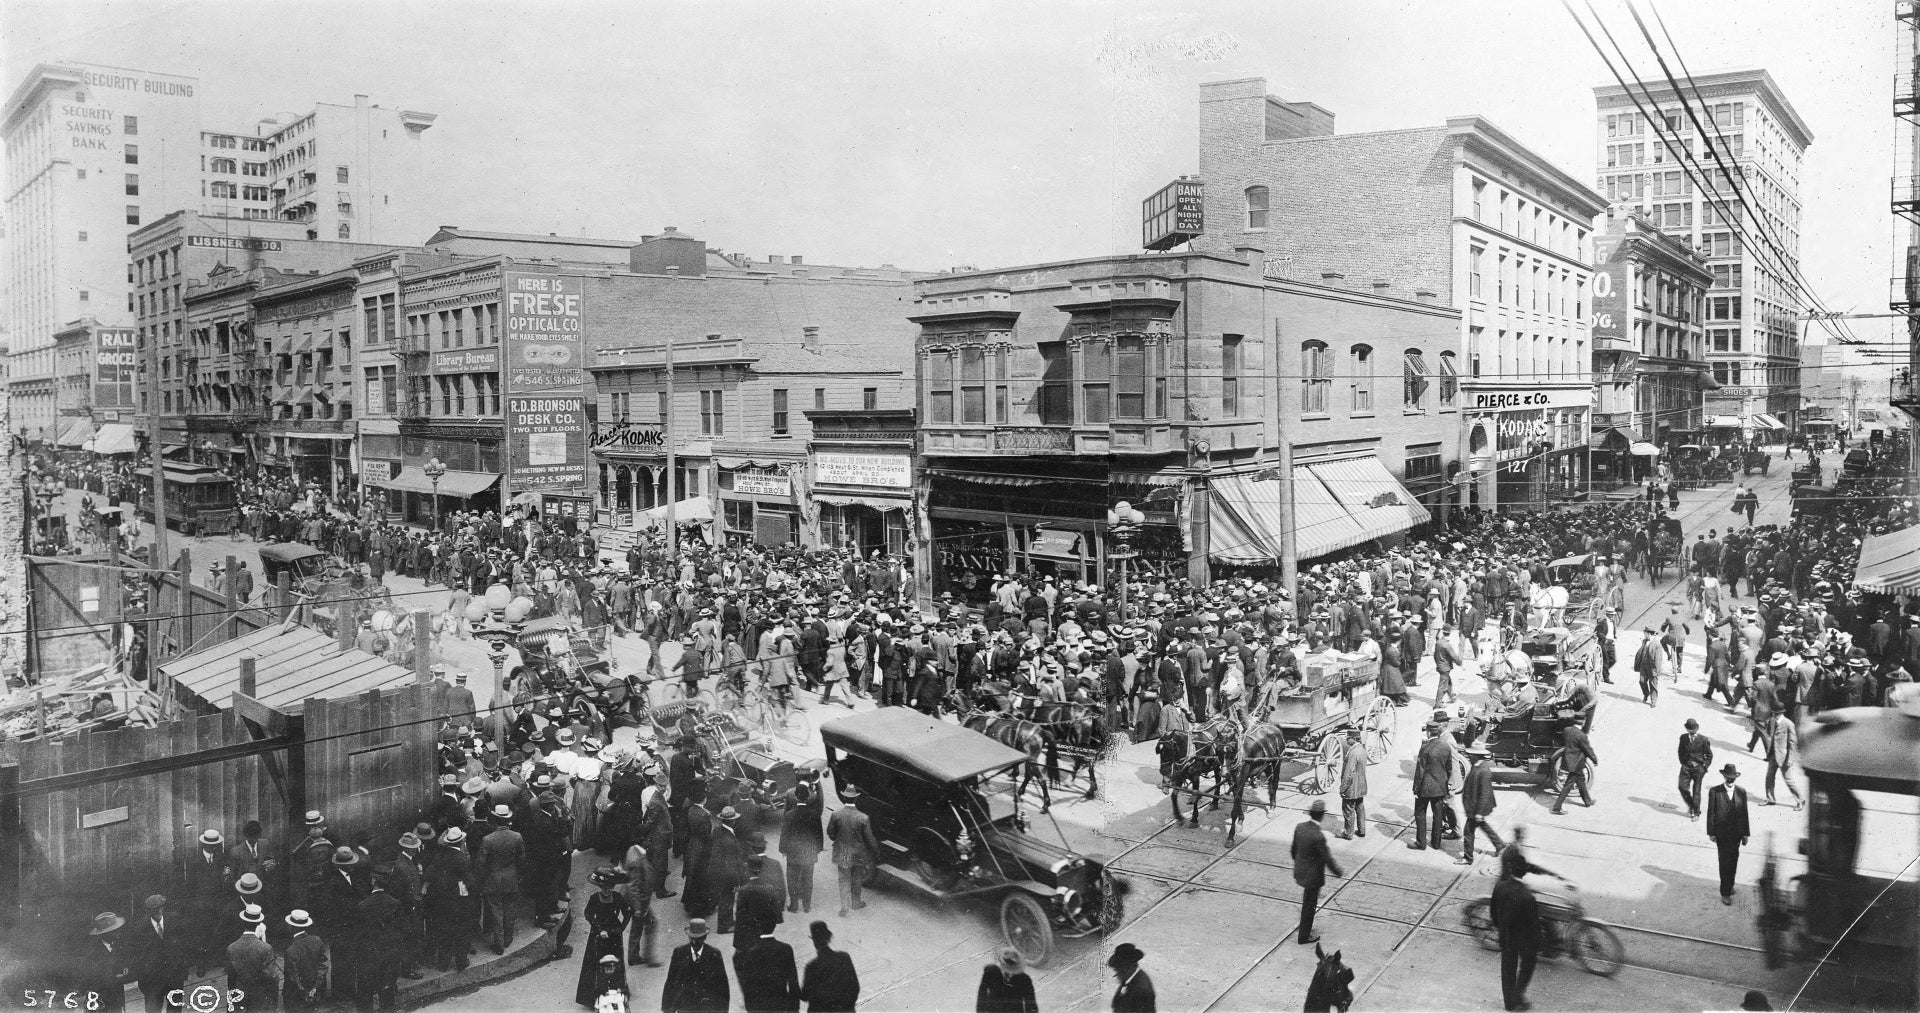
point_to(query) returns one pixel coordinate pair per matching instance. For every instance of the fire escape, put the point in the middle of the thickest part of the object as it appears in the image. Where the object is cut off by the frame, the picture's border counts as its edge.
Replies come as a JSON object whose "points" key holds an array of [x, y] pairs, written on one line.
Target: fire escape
{"points": [[1904, 291]]}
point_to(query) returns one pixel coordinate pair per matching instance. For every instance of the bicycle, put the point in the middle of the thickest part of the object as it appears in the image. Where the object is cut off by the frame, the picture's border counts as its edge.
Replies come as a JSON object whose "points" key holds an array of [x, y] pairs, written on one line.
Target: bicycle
{"points": [[771, 710], [1565, 927]]}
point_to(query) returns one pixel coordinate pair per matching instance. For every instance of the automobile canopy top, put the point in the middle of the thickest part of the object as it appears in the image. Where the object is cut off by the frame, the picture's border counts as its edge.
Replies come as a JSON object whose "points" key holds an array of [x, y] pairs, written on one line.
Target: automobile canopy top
{"points": [[904, 739], [288, 552]]}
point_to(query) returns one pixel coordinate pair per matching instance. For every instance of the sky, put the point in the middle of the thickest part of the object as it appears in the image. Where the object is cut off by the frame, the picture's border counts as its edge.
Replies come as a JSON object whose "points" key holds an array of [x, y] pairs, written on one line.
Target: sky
{"points": [[930, 134]]}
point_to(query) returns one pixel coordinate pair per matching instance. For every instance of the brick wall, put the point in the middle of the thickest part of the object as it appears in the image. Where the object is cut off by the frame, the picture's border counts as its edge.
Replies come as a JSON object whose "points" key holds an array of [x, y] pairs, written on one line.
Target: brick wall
{"points": [[1367, 206]]}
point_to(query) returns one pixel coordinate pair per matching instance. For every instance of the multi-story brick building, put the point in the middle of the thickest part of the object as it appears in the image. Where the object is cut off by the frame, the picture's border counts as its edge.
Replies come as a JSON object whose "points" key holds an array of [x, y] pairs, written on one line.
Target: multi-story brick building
{"points": [[1180, 384], [202, 382], [1460, 210], [1754, 134], [1649, 359]]}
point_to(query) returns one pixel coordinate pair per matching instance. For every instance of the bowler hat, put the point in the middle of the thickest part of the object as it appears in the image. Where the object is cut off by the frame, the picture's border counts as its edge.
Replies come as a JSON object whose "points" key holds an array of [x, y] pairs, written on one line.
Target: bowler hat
{"points": [[1730, 770], [1125, 954], [697, 928], [344, 856]]}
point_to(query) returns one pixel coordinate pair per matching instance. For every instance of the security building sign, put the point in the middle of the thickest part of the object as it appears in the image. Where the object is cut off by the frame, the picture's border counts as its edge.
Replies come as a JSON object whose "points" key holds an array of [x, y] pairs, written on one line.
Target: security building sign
{"points": [[546, 419]]}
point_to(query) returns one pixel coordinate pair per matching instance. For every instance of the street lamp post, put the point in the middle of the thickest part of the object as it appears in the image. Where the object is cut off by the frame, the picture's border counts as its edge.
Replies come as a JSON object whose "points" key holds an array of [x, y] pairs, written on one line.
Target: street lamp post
{"points": [[435, 470], [1123, 522]]}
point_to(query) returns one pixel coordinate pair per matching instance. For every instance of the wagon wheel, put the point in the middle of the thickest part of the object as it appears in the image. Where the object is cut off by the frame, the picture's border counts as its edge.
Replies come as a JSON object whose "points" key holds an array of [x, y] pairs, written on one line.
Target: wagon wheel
{"points": [[1024, 924], [1326, 765], [1377, 727]]}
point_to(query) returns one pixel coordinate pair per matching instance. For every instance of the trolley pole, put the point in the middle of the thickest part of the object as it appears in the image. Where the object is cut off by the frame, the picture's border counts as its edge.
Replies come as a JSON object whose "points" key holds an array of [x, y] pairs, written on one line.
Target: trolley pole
{"points": [[155, 460]]}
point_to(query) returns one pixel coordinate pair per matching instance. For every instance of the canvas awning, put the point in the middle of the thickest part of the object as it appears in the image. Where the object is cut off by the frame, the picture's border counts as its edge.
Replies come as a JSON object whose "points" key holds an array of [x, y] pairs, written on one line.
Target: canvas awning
{"points": [[1614, 434], [76, 434], [881, 503], [1644, 450], [1336, 504], [459, 484], [113, 438], [699, 509], [1763, 419], [1723, 422], [291, 666], [1890, 563]]}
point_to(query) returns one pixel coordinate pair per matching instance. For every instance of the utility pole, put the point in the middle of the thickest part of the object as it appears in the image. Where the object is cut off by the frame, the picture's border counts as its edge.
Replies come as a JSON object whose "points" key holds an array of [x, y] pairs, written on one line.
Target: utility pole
{"points": [[155, 460], [673, 529]]}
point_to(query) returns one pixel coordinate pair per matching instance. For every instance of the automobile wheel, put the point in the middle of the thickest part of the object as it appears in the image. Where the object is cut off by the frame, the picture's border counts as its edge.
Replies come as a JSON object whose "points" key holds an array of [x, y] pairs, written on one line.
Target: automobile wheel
{"points": [[1024, 924], [1597, 949], [1477, 916]]}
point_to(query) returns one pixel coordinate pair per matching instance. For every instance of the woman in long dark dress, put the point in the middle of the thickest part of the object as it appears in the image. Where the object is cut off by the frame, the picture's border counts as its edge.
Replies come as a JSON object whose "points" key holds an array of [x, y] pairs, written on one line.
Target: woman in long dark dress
{"points": [[620, 828], [607, 915]]}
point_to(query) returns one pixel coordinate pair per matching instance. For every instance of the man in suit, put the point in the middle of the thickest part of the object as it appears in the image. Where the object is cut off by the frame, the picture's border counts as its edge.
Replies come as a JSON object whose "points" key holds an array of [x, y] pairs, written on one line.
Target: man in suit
{"points": [[1445, 660], [1576, 758], [769, 979], [253, 967], [1765, 703], [1607, 631], [409, 885], [207, 879], [1477, 802], [161, 953], [696, 976], [855, 848], [382, 923], [1782, 740], [757, 905], [1353, 787], [501, 853], [1727, 826], [1432, 769], [307, 964], [1311, 863], [1696, 758], [801, 841], [1516, 916], [726, 866], [831, 984], [1646, 663]]}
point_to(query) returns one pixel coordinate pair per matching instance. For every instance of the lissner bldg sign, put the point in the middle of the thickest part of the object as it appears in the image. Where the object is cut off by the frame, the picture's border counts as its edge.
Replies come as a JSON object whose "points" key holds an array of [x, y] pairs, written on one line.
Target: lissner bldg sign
{"points": [[1526, 447]]}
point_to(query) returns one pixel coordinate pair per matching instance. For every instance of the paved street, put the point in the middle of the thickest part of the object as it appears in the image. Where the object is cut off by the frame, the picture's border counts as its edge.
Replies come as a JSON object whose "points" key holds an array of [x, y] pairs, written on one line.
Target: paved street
{"points": [[1217, 925]]}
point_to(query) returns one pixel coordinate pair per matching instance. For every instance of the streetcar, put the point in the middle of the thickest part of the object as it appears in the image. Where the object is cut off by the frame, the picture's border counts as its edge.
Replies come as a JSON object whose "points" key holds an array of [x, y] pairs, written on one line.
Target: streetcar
{"points": [[200, 498], [1854, 914]]}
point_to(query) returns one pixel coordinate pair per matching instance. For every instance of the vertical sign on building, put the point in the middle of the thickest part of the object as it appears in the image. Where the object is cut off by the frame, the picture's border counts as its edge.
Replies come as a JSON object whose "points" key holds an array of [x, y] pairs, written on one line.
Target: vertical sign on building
{"points": [[114, 364], [545, 383], [1610, 284]]}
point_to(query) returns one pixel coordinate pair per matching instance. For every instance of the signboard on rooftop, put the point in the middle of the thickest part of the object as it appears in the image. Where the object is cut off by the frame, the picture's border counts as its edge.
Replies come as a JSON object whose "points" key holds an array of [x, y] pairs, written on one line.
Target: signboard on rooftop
{"points": [[1173, 215]]}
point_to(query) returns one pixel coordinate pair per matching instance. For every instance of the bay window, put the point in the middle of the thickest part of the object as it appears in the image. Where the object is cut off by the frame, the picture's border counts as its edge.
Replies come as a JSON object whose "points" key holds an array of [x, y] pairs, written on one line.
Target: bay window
{"points": [[1130, 378], [1096, 382]]}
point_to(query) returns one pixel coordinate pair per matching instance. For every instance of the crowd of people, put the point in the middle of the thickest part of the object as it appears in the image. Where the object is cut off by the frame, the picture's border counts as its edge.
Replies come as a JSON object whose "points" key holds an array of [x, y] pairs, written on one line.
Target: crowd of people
{"points": [[529, 782]]}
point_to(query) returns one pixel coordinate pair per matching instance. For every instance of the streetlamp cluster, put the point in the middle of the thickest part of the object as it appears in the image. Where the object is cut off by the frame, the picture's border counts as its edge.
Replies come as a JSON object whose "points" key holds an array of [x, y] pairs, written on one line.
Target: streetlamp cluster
{"points": [[435, 471], [1123, 523]]}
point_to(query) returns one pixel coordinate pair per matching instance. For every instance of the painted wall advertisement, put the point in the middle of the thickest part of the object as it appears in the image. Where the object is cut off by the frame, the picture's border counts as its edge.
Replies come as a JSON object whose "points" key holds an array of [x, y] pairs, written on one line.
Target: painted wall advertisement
{"points": [[545, 334], [114, 365], [547, 443], [545, 349], [1610, 284]]}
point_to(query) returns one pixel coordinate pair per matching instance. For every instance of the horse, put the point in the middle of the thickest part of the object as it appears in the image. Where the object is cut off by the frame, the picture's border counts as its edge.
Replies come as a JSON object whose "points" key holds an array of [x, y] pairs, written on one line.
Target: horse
{"points": [[1332, 985], [1082, 728], [1261, 745], [1200, 750], [1029, 738]]}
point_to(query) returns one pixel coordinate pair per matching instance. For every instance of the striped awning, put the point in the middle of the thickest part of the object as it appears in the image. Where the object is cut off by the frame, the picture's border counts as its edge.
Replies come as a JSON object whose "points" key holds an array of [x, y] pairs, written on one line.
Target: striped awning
{"points": [[1890, 563], [1336, 505], [1763, 419]]}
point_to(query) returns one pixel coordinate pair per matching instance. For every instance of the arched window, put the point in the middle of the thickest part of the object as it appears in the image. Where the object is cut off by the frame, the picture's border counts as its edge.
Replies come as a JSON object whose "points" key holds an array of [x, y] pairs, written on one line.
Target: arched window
{"points": [[1256, 207], [1360, 369], [1449, 380], [1414, 370], [1316, 371]]}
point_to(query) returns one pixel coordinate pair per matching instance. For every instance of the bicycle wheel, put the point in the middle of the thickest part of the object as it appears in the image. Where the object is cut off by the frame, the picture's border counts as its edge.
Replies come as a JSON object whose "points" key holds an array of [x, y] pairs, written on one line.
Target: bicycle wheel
{"points": [[728, 699], [1477, 916], [1597, 948], [795, 727]]}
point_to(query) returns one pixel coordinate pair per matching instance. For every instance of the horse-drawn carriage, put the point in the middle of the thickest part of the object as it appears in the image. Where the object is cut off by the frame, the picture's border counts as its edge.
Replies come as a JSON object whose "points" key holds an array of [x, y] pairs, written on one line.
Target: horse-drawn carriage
{"points": [[1336, 690]]}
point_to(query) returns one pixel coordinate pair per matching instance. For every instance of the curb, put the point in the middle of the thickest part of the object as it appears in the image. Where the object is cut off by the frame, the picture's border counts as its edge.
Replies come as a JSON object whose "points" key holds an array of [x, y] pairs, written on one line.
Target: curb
{"points": [[535, 951]]}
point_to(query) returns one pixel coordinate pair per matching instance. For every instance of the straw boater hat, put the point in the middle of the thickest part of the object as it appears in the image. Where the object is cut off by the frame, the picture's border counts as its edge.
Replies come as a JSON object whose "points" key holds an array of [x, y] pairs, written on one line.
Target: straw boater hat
{"points": [[211, 839], [299, 919], [248, 884]]}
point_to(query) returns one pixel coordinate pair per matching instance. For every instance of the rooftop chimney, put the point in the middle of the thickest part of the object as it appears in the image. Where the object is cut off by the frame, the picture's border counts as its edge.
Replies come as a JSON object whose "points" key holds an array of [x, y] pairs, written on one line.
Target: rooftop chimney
{"points": [[810, 337], [775, 258], [1424, 295], [1333, 278], [1380, 286], [795, 258]]}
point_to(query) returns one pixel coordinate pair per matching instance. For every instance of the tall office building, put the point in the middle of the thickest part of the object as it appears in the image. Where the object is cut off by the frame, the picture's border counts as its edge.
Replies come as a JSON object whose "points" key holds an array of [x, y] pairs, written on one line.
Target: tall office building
{"points": [[1750, 153], [93, 153]]}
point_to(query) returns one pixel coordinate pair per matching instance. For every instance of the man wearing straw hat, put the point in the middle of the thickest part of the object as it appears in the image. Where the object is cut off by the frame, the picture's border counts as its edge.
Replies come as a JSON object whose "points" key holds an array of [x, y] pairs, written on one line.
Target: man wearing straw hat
{"points": [[252, 966], [308, 965]]}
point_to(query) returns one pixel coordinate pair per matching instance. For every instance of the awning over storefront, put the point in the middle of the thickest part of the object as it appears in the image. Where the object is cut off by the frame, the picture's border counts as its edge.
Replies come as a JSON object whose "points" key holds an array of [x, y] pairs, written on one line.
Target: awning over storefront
{"points": [[881, 503], [1336, 504], [1890, 563], [175, 452], [113, 438], [1644, 450], [699, 509], [76, 434], [458, 484], [1379, 504], [1723, 422], [1763, 419], [1612, 434]]}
